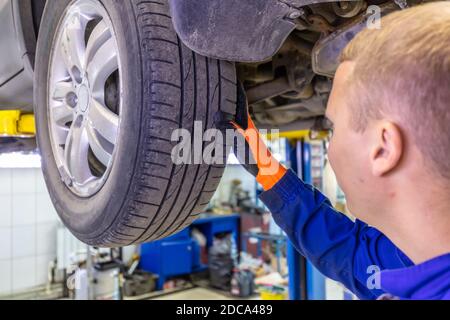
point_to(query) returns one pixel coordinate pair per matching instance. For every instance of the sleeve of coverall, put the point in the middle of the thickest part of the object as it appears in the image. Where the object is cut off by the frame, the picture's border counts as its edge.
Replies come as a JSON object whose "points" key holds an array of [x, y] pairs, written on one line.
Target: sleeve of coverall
{"points": [[341, 249]]}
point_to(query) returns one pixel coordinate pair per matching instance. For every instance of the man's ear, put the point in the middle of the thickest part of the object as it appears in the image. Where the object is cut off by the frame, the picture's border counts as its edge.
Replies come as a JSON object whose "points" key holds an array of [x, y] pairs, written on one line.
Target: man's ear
{"points": [[387, 148]]}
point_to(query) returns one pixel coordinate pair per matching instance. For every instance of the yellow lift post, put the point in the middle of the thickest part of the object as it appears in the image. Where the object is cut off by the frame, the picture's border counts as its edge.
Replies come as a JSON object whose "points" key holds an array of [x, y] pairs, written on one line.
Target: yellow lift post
{"points": [[17, 125], [301, 134]]}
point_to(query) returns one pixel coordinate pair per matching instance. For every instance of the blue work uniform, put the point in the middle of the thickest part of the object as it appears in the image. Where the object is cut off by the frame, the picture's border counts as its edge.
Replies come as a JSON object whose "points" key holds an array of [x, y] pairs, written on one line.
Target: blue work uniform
{"points": [[351, 252]]}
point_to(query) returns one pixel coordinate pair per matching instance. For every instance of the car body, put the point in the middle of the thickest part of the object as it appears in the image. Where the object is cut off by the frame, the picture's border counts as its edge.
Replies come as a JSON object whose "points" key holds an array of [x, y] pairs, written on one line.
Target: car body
{"points": [[19, 21]]}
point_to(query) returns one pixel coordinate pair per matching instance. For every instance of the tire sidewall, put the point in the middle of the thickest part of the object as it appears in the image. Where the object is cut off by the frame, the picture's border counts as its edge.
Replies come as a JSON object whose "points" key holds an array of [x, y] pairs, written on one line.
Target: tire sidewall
{"points": [[90, 218]]}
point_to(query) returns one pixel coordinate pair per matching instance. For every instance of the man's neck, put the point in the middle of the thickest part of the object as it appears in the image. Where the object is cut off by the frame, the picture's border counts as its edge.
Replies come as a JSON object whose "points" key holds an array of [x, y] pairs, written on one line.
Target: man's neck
{"points": [[420, 224]]}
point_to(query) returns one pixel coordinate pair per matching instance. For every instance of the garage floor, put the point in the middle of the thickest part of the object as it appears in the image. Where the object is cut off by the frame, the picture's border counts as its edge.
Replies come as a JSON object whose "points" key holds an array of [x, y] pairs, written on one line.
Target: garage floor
{"points": [[195, 294], [198, 294]]}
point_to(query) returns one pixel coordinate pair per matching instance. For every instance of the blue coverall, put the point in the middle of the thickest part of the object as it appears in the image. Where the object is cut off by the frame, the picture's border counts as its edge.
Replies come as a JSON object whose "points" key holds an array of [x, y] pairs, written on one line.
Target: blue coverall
{"points": [[348, 251]]}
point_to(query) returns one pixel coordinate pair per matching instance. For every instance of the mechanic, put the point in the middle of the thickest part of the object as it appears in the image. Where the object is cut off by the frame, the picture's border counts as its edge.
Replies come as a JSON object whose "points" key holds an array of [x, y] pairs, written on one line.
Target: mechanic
{"points": [[390, 107]]}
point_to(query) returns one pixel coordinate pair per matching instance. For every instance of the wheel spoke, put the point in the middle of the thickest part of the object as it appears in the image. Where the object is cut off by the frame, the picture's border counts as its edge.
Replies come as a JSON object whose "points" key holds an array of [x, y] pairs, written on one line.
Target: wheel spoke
{"points": [[62, 88], [101, 66], [62, 114], [60, 135], [97, 39], [101, 148], [104, 121], [73, 46], [76, 154]]}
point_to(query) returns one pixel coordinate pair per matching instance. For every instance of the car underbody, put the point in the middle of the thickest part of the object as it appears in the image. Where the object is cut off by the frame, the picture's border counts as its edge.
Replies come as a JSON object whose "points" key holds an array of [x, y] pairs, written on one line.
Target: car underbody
{"points": [[287, 51]]}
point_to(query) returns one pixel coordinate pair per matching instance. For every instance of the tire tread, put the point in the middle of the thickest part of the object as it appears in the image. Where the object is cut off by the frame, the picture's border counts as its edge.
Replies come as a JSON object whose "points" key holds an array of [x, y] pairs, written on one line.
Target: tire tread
{"points": [[177, 86]]}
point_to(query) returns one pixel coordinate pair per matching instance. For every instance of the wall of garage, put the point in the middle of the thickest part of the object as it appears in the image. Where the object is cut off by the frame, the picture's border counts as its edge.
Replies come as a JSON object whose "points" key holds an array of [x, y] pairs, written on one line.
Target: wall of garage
{"points": [[29, 224], [234, 172], [28, 227]]}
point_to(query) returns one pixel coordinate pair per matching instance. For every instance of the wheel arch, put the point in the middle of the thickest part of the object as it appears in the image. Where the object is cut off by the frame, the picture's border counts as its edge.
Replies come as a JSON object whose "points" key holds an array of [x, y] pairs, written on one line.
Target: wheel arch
{"points": [[236, 30], [16, 90], [27, 19]]}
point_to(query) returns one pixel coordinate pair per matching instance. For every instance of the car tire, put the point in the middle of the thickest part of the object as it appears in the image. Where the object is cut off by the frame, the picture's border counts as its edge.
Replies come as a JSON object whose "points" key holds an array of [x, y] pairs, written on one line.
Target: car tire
{"points": [[163, 86]]}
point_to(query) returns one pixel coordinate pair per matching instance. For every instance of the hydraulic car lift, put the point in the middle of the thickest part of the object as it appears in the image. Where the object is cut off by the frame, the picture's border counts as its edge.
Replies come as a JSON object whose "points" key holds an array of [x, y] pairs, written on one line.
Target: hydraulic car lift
{"points": [[305, 281], [14, 124]]}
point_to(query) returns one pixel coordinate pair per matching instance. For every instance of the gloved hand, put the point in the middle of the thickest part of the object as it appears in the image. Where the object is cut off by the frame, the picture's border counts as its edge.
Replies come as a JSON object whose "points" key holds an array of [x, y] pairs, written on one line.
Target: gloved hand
{"points": [[253, 153]]}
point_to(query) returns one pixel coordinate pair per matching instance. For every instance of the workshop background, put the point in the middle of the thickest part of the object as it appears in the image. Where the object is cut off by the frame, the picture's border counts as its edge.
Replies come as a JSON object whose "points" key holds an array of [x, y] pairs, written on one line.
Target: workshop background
{"points": [[233, 251]]}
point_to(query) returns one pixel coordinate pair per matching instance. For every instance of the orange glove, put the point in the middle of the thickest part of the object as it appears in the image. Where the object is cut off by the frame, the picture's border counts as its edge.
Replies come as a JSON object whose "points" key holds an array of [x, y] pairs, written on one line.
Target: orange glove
{"points": [[264, 166]]}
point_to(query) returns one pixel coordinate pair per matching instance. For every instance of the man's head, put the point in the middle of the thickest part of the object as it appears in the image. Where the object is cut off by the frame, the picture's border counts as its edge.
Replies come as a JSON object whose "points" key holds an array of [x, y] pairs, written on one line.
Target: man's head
{"points": [[390, 106]]}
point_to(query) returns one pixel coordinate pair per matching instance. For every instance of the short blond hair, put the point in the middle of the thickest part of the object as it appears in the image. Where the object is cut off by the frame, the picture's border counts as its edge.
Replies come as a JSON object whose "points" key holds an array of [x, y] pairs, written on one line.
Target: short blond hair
{"points": [[403, 71]]}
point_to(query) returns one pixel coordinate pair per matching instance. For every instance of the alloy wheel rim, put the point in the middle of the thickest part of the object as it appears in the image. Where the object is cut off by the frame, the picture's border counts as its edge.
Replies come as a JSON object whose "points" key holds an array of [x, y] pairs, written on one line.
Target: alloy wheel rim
{"points": [[84, 97]]}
